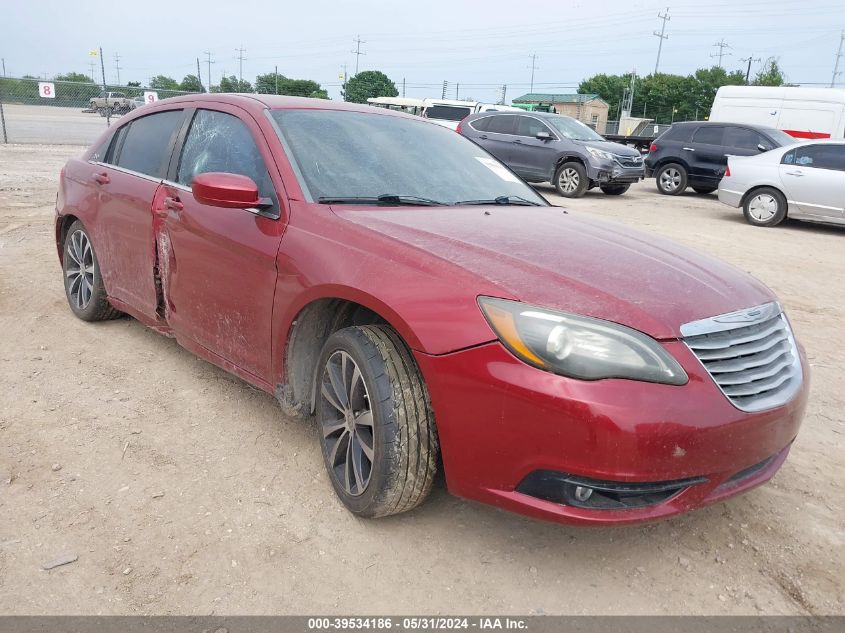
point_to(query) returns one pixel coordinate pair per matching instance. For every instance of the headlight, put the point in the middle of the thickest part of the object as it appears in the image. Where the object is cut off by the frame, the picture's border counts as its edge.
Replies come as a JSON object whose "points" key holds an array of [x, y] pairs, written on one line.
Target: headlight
{"points": [[578, 346], [599, 153]]}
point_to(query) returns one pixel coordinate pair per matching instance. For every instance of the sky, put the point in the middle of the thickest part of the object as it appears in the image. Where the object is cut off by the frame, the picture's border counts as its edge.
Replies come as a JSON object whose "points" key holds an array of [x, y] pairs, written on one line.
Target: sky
{"points": [[476, 46]]}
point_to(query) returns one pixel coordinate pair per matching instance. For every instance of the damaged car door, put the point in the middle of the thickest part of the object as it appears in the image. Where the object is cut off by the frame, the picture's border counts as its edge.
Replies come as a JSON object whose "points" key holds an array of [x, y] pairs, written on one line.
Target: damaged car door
{"points": [[217, 265]]}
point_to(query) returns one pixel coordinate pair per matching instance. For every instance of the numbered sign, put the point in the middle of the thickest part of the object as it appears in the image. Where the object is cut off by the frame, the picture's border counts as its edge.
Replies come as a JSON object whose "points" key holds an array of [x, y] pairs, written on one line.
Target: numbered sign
{"points": [[47, 89], [150, 96]]}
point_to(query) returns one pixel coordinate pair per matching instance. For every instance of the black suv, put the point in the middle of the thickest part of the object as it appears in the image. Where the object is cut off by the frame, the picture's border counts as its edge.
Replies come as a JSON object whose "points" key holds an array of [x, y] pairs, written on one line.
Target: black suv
{"points": [[695, 154]]}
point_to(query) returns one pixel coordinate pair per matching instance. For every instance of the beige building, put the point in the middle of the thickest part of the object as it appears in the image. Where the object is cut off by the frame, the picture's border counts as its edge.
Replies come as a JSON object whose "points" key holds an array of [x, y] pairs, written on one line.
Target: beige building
{"points": [[589, 108]]}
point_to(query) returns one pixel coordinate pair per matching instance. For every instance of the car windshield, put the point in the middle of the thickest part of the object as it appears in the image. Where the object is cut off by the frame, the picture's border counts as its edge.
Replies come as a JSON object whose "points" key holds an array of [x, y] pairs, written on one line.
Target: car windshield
{"points": [[780, 137], [343, 155], [572, 128]]}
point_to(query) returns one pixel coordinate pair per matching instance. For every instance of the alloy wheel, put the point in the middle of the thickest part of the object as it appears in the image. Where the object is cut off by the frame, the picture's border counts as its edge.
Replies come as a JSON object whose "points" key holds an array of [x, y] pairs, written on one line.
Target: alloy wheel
{"points": [[346, 423], [670, 179], [763, 207], [569, 180], [79, 269]]}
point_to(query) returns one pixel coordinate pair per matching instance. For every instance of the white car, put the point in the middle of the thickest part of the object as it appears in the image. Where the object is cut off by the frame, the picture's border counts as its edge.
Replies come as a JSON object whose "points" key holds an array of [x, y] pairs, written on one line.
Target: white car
{"points": [[805, 181], [449, 112]]}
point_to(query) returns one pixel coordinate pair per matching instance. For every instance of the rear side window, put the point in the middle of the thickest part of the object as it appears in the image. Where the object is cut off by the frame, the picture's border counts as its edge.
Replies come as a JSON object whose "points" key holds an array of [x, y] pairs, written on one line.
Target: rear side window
{"points": [[709, 135], [743, 138], [502, 124], [481, 124], [820, 157], [678, 133], [218, 141], [529, 126], [145, 145]]}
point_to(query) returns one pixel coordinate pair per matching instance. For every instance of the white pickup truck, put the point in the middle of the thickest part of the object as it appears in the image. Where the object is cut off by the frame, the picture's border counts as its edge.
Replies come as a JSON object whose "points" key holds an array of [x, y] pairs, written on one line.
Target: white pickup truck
{"points": [[450, 112]]}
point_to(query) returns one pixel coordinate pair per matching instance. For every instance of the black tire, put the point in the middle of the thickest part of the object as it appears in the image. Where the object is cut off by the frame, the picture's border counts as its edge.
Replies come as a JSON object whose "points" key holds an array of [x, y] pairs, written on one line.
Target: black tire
{"points": [[615, 190], [671, 179], [704, 190], [404, 443], [765, 206], [92, 305], [571, 180]]}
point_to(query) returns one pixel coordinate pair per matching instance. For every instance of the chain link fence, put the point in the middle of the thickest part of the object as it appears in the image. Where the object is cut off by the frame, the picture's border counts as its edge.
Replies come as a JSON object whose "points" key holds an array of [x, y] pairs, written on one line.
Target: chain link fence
{"points": [[65, 112]]}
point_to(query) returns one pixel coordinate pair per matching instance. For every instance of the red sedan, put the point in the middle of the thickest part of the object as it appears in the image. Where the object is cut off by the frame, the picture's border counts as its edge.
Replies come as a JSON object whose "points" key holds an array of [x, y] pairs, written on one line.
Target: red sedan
{"points": [[391, 279]]}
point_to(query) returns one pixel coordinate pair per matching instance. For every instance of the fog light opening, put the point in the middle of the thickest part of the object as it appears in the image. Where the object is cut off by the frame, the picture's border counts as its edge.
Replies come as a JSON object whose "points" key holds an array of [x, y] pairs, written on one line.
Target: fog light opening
{"points": [[582, 493]]}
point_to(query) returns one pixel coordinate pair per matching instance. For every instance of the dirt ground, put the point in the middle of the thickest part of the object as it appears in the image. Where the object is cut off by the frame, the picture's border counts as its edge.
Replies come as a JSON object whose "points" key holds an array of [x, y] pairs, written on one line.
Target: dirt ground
{"points": [[181, 490]]}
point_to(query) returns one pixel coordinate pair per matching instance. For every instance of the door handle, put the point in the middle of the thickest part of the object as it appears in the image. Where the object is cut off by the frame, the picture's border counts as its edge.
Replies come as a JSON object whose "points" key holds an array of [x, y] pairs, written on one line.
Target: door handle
{"points": [[483, 136], [101, 178], [688, 149], [794, 173], [173, 203]]}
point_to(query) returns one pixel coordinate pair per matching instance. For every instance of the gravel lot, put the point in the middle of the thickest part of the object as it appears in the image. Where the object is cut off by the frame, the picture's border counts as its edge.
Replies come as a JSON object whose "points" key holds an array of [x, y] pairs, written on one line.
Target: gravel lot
{"points": [[52, 124], [182, 490]]}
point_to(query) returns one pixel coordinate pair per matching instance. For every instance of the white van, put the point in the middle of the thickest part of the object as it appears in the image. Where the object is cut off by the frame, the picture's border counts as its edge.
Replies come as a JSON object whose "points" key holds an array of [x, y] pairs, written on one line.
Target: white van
{"points": [[450, 112], [800, 112]]}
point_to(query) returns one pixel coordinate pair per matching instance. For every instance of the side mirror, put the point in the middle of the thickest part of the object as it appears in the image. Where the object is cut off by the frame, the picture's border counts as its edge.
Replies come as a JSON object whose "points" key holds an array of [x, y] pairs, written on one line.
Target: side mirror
{"points": [[762, 147], [544, 136], [231, 191]]}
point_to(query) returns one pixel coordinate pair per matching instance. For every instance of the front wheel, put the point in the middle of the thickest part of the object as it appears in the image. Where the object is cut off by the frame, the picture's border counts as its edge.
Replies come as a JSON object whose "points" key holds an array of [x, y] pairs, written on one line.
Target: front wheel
{"points": [[671, 179], [765, 207], [571, 180], [375, 421], [615, 190]]}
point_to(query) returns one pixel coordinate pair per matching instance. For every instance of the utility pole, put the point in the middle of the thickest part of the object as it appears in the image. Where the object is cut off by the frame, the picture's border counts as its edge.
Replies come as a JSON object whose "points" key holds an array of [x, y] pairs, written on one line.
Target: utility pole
{"points": [[836, 71], [240, 59], [457, 89], [722, 44], [357, 52], [4, 69], [533, 67], [504, 92], [199, 76], [91, 66], [209, 62], [403, 87], [105, 90], [749, 59], [117, 67], [445, 85], [276, 77], [665, 17]]}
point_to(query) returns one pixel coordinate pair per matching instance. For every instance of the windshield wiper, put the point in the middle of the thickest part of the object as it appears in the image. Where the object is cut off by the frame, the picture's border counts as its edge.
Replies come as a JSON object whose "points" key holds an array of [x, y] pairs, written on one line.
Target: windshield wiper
{"points": [[387, 199], [511, 200]]}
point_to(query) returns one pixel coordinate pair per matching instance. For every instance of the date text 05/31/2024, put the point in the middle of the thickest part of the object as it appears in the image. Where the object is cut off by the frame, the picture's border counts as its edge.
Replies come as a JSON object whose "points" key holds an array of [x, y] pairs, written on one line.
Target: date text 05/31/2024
{"points": [[416, 623]]}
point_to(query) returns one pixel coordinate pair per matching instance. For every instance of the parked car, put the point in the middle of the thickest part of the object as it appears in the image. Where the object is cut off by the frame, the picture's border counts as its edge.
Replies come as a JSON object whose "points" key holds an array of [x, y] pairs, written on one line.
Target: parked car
{"points": [[449, 112], [695, 153], [804, 113], [137, 102], [804, 181], [543, 147], [110, 103], [556, 365]]}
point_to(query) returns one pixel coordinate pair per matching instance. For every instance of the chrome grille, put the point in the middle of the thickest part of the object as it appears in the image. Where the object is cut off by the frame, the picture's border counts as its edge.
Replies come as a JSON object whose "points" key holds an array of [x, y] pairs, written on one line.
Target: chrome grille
{"points": [[750, 354]]}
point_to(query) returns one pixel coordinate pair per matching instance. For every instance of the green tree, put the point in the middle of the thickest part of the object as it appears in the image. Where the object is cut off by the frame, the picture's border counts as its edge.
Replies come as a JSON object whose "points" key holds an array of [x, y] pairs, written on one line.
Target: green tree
{"points": [[191, 83], [231, 84], [370, 83], [163, 82], [134, 84], [78, 77], [611, 88], [267, 84], [770, 74]]}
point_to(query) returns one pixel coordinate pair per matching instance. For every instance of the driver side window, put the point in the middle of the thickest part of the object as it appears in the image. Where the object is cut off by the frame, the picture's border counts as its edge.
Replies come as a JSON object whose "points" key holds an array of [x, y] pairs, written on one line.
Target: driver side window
{"points": [[220, 142]]}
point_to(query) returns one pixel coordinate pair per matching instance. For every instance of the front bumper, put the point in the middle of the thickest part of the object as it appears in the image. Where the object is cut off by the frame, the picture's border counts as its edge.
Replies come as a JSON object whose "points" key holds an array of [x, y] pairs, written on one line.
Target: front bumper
{"points": [[501, 420], [613, 172]]}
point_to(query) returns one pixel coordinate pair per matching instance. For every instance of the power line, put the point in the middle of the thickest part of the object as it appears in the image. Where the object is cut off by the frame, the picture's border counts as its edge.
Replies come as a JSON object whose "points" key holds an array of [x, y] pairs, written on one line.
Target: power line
{"points": [[749, 59], [665, 17], [836, 71], [722, 44], [240, 59], [533, 67], [209, 61], [357, 52]]}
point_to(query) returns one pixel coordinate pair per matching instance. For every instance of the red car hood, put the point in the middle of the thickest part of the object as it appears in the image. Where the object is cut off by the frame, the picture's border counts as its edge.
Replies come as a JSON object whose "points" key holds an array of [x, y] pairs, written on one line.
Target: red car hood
{"points": [[550, 258]]}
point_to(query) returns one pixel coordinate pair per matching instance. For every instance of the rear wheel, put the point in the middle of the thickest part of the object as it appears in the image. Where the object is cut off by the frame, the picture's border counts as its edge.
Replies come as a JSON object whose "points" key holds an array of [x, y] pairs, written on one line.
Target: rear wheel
{"points": [[571, 180], [83, 282], [671, 179], [765, 207], [376, 425], [615, 190]]}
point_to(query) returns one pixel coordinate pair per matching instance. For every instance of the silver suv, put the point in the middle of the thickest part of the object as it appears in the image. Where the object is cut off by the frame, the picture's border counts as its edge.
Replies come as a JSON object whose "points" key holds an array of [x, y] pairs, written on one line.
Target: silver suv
{"points": [[542, 147]]}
